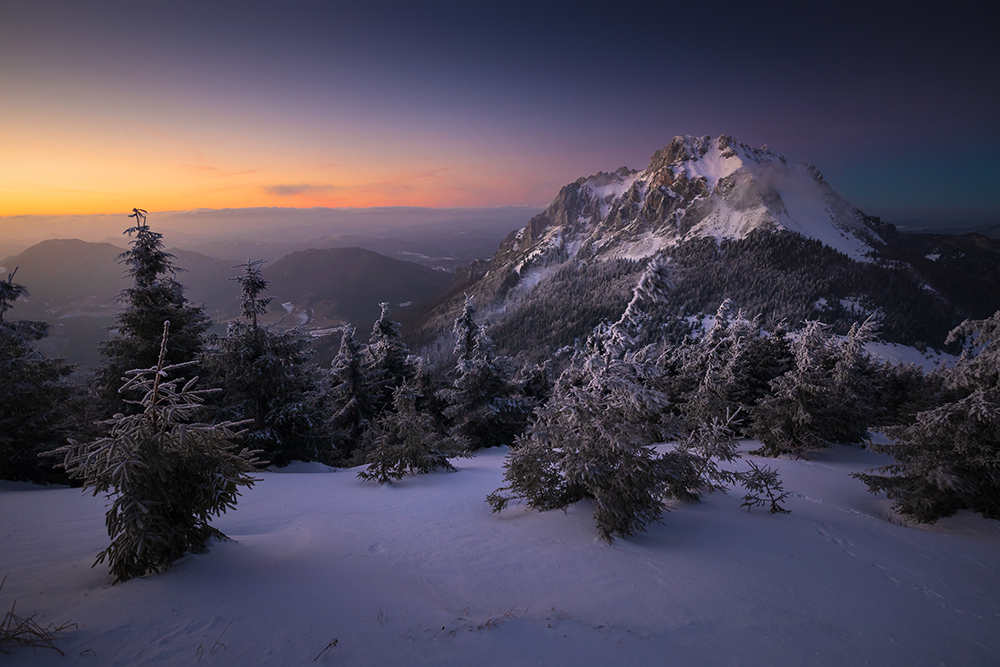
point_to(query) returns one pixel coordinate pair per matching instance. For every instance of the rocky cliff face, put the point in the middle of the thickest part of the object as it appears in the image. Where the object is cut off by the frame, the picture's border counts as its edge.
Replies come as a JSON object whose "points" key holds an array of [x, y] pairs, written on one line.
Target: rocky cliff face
{"points": [[693, 187]]}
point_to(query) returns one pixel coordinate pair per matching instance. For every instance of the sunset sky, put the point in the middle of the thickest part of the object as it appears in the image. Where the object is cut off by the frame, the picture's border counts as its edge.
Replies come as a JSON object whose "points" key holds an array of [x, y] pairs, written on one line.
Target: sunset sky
{"points": [[180, 105]]}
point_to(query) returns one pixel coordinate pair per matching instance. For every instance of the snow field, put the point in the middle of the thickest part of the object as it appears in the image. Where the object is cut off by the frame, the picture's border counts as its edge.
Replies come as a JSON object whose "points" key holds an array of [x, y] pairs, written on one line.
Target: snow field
{"points": [[421, 572]]}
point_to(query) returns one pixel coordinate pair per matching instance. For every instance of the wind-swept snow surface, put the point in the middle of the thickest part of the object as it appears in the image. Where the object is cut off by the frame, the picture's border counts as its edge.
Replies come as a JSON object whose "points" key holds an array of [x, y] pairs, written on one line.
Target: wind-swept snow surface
{"points": [[420, 572]]}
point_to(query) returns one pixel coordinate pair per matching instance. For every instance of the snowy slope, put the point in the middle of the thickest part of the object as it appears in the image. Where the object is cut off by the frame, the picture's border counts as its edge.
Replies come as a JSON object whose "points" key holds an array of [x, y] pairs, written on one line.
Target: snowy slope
{"points": [[421, 572]]}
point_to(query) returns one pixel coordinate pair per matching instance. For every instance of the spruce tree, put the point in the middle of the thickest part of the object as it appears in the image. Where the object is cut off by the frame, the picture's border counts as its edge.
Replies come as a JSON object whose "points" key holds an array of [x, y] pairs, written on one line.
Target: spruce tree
{"points": [[827, 397], [35, 395], [166, 477], [486, 407], [268, 376], [154, 297], [387, 361], [594, 438], [352, 408], [730, 368], [949, 457], [406, 441]]}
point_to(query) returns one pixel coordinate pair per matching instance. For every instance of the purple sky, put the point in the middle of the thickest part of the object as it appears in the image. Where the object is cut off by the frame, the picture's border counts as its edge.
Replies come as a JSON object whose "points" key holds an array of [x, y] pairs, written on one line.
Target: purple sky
{"points": [[181, 105]]}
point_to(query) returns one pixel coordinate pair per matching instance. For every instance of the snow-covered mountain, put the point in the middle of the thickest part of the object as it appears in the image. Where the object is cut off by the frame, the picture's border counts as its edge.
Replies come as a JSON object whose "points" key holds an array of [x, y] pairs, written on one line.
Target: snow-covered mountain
{"points": [[694, 187]]}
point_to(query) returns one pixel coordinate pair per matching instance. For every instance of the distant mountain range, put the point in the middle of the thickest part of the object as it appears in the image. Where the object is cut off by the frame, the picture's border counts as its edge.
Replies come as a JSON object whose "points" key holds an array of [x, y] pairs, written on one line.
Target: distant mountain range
{"points": [[73, 284]]}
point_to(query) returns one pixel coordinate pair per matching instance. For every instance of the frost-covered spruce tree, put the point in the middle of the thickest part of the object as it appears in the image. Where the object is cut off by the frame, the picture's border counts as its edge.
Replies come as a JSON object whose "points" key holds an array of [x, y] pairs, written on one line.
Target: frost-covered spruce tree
{"points": [[35, 394], [387, 361], [713, 366], [166, 477], [828, 397], [352, 408], [154, 297], [729, 368], [486, 407], [406, 441], [949, 458], [593, 438], [856, 384], [269, 377]]}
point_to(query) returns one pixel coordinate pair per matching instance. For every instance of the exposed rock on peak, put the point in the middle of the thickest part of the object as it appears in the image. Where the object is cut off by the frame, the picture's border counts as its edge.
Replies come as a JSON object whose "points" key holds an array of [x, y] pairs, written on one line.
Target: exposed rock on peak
{"points": [[693, 187]]}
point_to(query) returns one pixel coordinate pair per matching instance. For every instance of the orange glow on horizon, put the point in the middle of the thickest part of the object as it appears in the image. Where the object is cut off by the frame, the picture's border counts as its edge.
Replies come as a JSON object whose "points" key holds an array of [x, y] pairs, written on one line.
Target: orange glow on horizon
{"points": [[91, 164]]}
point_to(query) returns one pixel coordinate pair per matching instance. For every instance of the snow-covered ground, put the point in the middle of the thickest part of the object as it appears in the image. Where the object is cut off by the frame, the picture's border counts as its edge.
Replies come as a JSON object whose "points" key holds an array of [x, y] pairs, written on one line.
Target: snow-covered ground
{"points": [[421, 572]]}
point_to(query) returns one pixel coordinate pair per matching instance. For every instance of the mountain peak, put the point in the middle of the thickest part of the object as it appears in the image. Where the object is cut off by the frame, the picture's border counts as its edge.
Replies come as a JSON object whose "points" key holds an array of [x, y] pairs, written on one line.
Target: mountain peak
{"points": [[695, 186], [682, 148]]}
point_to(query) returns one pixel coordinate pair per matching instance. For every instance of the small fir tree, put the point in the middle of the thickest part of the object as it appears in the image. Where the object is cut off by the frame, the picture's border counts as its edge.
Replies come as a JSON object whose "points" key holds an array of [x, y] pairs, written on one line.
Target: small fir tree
{"points": [[166, 477], [729, 368], [949, 457], [486, 407], [268, 377], [154, 298], [594, 437], [35, 395], [352, 408], [828, 397], [406, 441], [387, 361]]}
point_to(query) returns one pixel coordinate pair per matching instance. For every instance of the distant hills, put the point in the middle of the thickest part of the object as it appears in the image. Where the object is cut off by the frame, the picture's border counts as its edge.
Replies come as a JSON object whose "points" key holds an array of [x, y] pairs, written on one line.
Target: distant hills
{"points": [[73, 284]]}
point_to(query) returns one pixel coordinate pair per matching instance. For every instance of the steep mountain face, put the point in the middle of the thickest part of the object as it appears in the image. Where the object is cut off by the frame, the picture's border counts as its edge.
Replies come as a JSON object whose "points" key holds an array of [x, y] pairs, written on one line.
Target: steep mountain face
{"points": [[738, 222], [694, 187]]}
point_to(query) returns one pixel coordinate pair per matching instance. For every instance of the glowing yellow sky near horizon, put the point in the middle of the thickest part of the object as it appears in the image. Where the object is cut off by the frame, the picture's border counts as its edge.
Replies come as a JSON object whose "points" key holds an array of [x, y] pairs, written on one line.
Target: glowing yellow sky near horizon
{"points": [[43, 174], [96, 159]]}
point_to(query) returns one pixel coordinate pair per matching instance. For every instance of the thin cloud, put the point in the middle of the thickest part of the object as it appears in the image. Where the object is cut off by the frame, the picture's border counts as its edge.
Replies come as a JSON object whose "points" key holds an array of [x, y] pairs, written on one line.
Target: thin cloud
{"points": [[292, 190]]}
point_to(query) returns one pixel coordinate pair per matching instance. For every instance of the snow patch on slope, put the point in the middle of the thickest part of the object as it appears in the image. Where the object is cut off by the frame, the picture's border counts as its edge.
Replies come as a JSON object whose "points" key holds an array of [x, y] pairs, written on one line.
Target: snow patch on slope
{"points": [[646, 245]]}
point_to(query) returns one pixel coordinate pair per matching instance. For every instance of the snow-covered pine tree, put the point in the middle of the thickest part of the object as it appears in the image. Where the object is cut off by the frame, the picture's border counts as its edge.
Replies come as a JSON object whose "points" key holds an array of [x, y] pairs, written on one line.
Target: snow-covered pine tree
{"points": [[33, 416], [728, 369], [406, 441], [486, 407], [387, 361], [269, 377], [766, 358], [167, 477], [949, 458], [352, 408], [828, 397], [154, 297], [784, 420], [593, 438], [715, 365], [853, 405]]}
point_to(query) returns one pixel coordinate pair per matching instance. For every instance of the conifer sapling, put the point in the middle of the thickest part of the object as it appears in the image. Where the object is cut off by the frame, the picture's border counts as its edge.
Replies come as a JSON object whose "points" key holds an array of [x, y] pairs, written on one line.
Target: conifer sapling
{"points": [[166, 477]]}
